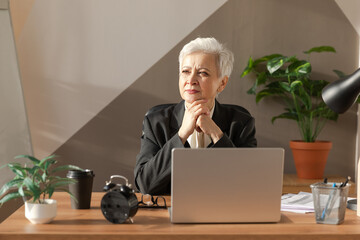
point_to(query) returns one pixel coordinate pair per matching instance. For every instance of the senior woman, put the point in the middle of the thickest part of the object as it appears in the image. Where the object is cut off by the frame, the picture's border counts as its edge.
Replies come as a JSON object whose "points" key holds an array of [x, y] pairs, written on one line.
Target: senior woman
{"points": [[197, 121]]}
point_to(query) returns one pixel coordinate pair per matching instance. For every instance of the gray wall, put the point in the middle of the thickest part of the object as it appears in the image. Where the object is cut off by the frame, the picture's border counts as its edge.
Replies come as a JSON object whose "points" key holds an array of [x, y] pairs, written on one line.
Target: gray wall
{"points": [[110, 141]]}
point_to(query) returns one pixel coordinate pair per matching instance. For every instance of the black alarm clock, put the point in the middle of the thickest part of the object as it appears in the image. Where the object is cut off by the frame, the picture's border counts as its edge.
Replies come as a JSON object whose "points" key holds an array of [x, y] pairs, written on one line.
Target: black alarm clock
{"points": [[120, 202]]}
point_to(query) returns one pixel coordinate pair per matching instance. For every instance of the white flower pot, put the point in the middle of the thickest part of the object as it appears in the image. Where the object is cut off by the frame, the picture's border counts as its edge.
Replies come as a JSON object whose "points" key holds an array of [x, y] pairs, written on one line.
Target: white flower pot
{"points": [[41, 213]]}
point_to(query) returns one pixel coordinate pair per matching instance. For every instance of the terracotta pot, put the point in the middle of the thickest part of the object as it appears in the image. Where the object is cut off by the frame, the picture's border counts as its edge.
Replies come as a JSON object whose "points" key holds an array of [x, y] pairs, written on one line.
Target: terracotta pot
{"points": [[310, 158]]}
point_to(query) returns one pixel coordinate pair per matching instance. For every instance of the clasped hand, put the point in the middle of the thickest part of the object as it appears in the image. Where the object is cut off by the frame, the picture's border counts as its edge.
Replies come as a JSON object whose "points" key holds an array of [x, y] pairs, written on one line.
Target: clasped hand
{"points": [[197, 116]]}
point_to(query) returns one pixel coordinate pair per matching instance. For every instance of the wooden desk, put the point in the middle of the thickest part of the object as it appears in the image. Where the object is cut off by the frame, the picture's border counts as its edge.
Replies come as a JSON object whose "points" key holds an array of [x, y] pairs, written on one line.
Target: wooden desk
{"points": [[154, 224], [293, 184]]}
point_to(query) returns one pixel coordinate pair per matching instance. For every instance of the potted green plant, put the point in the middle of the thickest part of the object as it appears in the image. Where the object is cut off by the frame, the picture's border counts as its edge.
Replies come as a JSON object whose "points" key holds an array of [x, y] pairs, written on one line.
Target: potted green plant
{"points": [[35, 182], [289, 79]]}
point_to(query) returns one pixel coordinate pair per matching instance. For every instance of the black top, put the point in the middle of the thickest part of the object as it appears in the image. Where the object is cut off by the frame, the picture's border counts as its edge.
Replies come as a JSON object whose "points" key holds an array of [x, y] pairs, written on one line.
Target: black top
{"points": [[160, 127]]}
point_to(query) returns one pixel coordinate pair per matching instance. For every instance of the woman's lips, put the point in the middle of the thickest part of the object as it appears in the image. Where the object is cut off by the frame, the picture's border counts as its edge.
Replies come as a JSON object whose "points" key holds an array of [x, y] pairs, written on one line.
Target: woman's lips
{"points": [[192, 91]]}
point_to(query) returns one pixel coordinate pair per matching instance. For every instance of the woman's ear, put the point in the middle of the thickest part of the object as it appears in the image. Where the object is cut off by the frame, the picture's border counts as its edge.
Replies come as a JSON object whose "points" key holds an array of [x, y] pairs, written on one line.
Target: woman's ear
{"points": [[223, 83]]}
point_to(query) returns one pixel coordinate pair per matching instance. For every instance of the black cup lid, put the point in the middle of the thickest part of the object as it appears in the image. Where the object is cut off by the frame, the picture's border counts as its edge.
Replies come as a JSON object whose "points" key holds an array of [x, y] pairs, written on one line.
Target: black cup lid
{"points": [[80, 173]]}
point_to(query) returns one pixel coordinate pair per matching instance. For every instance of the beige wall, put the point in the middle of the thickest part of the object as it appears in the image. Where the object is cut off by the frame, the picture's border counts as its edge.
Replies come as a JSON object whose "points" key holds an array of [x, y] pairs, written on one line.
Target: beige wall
{"points": [[91, 70], [20, 10], [14, 131], [77, 56]]}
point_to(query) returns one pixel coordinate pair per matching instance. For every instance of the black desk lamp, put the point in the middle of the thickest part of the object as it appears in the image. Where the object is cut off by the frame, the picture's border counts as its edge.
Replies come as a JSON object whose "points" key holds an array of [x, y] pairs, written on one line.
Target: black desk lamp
{"points": [[340, 96]]}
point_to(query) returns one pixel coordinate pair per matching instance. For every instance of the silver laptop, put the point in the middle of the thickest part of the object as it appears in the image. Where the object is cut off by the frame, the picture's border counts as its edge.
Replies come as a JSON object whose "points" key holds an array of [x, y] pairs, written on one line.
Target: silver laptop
{"points": [[226, 185]]}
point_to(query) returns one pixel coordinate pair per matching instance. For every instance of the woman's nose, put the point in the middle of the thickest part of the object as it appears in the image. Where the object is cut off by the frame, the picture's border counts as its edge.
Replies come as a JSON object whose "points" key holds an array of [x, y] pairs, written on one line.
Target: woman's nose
{"points": [[192, 80]]}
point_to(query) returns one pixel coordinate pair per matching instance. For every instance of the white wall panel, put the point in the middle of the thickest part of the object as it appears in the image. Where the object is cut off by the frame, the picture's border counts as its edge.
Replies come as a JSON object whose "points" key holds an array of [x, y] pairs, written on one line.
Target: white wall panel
{"points": [[351, 9]]}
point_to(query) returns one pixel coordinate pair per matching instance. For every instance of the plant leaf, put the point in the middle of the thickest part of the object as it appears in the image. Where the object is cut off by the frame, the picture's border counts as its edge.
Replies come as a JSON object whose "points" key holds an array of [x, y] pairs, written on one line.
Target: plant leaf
{"points": [[285, 115], [3, 166], [32, 187], [321, 49], [339, 73], [358, 99], [261, 79], [33, 159], [44, 177], [21, 191], [285, 86], [331, 115], [49, 163], [276, 63], [290, 70], [9, 185], [50, 191], [268, 92], [41, 164], [248, 68], [9, 197], [288, 79], [66, 167], [295, 84], [60, 184], [33, 170], [314, 87], [63, 181], [252, 90], [17, 169], [266, 58], [325, 112], [280, 73], [304, 97], [303, 69]]}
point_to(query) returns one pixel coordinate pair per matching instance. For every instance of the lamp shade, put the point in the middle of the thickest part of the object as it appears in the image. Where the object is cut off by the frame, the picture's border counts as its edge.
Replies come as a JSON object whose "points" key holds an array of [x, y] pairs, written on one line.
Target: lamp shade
{"points": [[340, 95]]}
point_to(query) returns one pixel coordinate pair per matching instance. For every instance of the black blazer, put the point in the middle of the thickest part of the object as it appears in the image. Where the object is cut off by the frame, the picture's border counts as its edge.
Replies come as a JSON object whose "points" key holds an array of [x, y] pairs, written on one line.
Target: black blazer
{"points": [[160, 127]]}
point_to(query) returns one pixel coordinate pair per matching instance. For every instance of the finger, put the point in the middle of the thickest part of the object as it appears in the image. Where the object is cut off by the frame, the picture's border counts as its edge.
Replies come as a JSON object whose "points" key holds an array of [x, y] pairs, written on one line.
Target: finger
{"points": [[197, 102], [195, 112], [197, 107], [201, 110], [199, 123], [204, 123]]}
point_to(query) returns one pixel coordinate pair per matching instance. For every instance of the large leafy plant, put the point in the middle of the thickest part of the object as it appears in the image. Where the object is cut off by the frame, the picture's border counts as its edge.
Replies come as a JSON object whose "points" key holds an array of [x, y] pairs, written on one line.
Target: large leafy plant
{"points": [[288, 78], [36, 179]]}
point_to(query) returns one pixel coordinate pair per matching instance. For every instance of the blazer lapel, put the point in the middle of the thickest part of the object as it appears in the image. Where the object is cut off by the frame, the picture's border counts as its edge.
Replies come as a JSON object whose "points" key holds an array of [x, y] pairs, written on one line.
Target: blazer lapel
{"points": [[178, 116], [218, 116]]}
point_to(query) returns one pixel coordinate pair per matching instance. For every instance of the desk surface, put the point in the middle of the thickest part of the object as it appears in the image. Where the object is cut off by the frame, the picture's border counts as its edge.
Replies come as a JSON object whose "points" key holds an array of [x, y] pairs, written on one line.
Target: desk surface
{"points": [[154, 224], [293, 184]]}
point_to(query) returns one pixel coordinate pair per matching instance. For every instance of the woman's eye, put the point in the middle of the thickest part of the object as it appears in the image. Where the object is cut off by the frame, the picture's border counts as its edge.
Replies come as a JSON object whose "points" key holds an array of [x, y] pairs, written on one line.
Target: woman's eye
{"points": [[185, 71], [204, 74]]}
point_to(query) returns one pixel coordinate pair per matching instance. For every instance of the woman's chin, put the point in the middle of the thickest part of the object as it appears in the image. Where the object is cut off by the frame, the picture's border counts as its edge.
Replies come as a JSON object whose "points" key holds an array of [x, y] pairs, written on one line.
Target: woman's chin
{"points": [[191, 99]]}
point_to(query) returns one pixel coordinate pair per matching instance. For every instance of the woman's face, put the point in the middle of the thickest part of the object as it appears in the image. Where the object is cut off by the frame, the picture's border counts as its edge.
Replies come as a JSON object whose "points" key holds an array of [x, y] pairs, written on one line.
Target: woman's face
{"points": [[199, 78]]}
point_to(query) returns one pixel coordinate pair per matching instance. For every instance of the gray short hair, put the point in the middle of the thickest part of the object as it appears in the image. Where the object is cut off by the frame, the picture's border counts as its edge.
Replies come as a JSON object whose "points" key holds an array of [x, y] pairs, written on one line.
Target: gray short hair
{"points": [[225, 58]]}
